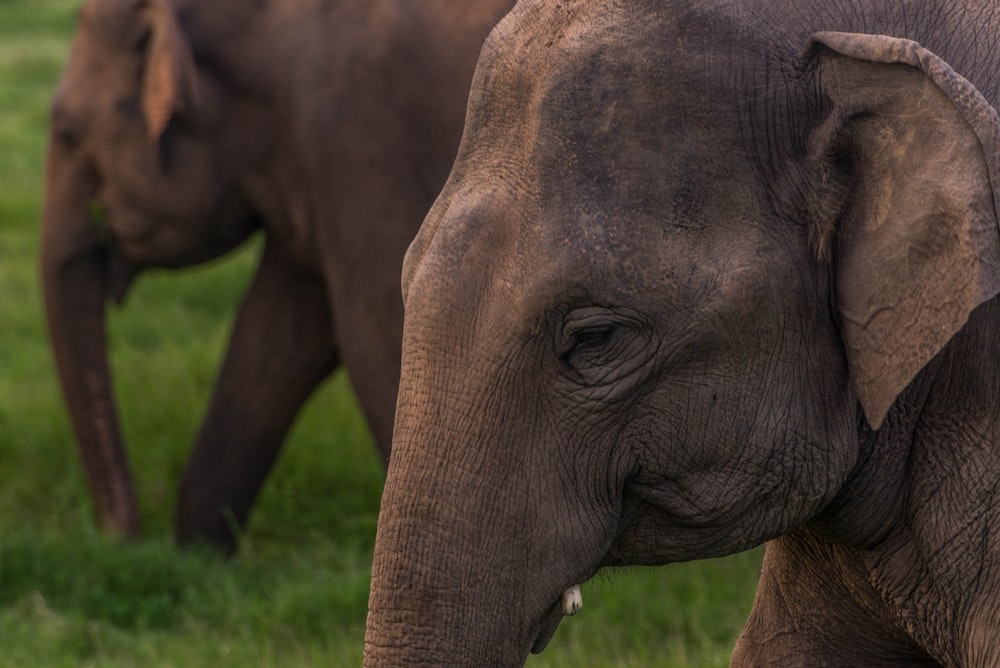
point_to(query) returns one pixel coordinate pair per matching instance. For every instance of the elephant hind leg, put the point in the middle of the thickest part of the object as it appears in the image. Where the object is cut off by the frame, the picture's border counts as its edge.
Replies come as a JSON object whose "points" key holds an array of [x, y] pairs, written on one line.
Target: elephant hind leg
{"points": [[281, 348]]}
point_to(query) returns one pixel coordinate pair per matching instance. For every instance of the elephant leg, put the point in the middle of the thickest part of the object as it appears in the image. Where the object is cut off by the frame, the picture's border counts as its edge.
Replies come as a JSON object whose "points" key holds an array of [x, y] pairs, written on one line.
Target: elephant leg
{"points": [[369, 346], [281, 348]]}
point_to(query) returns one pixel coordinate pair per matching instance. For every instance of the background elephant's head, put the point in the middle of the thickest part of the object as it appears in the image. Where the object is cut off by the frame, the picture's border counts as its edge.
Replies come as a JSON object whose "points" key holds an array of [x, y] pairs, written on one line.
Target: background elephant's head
{"points": [[140, 172], [670, 260], [144, 136]]}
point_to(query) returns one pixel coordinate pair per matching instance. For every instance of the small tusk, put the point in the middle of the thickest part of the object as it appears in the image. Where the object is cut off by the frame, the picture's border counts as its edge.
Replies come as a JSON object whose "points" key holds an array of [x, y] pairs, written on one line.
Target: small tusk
{"points": [[572, 601]]}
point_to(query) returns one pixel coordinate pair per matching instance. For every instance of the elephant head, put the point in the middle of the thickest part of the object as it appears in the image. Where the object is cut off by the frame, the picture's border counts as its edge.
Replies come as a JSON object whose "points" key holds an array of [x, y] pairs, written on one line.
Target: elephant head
{"points": [[139, 173], [684, 267]]}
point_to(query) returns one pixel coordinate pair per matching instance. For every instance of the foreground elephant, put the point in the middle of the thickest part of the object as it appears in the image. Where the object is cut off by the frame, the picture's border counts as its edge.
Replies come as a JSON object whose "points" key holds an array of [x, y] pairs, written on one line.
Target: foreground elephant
{"points": [[705, 275], [180, 128]]}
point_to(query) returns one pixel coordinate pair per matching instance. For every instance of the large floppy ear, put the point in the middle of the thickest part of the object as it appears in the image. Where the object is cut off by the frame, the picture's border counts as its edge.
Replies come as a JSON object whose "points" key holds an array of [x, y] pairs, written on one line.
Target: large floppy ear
{"points": [[915, 245], [170, 80]]}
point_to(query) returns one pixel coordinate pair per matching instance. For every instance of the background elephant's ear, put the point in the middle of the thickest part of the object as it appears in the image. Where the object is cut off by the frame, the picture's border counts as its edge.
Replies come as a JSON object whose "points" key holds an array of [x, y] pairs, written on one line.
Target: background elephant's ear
{"points": [[915, 245], [170, 80]]}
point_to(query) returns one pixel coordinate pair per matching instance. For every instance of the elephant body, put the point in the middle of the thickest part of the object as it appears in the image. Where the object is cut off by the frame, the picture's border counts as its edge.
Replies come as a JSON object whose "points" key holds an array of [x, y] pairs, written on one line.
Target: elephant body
{"points": [[707, 275], [178, 129]]}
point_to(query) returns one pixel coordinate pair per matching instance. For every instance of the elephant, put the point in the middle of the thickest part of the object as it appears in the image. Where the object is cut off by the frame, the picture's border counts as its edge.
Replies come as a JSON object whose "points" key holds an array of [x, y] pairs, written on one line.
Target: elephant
{"points": [[178, 130], [706, 276]]}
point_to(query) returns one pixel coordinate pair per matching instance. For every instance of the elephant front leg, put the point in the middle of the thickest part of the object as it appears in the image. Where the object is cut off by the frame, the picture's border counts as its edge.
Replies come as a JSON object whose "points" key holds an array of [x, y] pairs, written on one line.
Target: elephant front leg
{"points": [[281, 348]]}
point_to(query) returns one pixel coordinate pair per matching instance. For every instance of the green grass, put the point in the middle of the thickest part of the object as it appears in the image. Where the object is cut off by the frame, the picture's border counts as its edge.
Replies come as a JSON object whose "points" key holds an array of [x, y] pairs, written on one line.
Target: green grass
{"points": [[297, 593]]}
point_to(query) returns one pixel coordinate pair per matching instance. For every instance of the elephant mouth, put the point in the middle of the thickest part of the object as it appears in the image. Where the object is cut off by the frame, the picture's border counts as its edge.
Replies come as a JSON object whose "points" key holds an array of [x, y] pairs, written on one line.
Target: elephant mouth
{"points": [[568, 604], [550, 622]]}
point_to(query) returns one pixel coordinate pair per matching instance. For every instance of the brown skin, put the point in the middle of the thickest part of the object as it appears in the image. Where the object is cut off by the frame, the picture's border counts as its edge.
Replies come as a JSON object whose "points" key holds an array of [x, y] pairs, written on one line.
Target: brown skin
{"points": [[705, 276], [188, 126]]}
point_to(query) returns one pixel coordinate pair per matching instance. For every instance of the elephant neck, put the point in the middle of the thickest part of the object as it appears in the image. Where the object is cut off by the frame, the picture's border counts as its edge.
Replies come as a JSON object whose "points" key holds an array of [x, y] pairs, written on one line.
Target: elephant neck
{"points": [[916, 520], [939, 447]]}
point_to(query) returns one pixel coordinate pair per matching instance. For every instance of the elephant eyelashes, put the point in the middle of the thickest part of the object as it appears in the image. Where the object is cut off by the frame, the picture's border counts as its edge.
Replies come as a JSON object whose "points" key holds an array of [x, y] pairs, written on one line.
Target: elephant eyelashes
{"points": [[591, 338]]}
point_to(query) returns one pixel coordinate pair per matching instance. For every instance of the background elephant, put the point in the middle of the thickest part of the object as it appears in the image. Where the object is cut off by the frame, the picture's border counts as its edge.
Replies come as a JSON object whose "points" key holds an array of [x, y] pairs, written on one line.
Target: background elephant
{"points": [[707, 275], [178, 129]]}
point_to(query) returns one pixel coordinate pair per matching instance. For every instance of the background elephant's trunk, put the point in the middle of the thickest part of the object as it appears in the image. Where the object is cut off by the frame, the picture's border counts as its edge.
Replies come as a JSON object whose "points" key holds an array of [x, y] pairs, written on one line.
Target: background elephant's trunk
{"points": [[76, 283]]}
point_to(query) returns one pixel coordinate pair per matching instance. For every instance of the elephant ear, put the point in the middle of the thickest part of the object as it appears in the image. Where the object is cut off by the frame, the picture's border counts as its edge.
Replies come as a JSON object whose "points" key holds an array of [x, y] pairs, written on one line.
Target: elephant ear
{"points": [[915, 245], [170, 80]]}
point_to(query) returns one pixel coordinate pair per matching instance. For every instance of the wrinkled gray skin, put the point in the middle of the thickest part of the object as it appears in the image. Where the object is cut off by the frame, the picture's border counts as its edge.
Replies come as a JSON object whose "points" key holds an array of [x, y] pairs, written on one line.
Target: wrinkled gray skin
{"points": [[705, 275], [329, 125]]}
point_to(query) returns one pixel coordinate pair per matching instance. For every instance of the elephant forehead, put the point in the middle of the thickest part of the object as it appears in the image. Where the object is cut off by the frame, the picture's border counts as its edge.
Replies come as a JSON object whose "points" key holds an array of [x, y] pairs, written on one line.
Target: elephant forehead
{"points": [[108, 19], [596, 158], [563, 72], [105, 29], [577, 118]]}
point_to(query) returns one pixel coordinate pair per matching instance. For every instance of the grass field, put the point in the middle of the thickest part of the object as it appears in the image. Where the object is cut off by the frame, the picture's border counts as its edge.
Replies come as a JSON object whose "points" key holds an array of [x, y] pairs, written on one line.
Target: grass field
{"points": [[297, 593]]}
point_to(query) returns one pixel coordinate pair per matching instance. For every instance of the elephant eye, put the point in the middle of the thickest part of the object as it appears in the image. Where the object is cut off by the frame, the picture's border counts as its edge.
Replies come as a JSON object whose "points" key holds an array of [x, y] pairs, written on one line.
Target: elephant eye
{"points": [[64, 128], [602, 346], [587, 340], [592, 337]]}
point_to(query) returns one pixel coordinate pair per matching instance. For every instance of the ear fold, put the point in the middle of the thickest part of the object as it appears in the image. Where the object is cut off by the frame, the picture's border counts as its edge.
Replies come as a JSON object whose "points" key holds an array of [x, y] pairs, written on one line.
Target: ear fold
{"points": [[916, 246], [170, 82]]}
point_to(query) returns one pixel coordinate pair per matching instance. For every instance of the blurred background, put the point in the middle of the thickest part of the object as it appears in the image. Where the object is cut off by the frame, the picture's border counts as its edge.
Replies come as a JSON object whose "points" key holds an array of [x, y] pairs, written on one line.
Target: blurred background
{"points": [[296, 595]]}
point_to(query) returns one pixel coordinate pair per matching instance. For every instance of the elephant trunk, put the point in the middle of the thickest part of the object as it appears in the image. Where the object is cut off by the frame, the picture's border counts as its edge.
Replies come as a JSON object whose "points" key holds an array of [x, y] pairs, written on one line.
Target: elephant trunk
{"points": [[76, 282], [466, 572], [436, 598], [487, 514]]}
